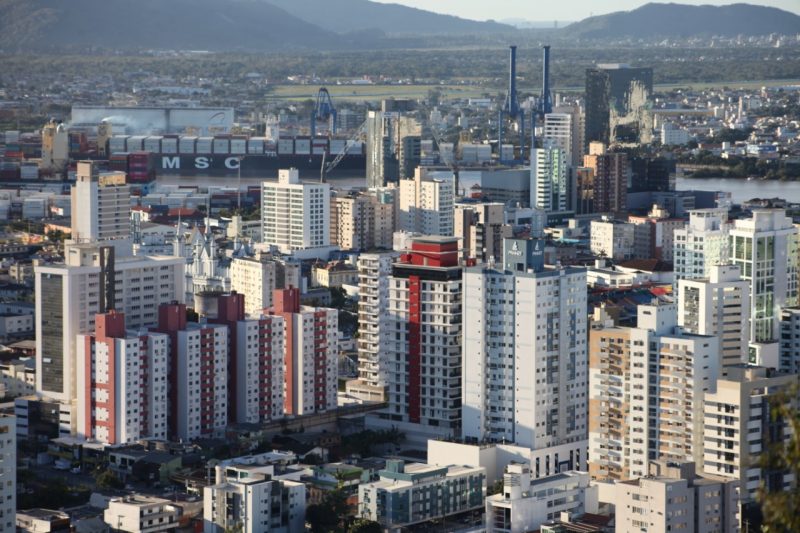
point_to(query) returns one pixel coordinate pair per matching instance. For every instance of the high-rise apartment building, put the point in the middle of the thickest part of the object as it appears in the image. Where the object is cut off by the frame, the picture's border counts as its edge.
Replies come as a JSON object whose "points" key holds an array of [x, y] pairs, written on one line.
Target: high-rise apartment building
{"points": [[646, 386], [551, 186], [8, 473], [122, 383], [311, 338], [426, 204], [101, 208], [558, 133], [198, 373], [570, 140], [701, 244], [790, 341], [256, 277], [93, 280], [765, 248], [525, 365], [256, 352], [423, 353], [718, 305], [362, 222], [99, 274], [481, 227], [616, 100], [374, 337], [740, 426], [603, 188], [295, 216], [393, 147]]}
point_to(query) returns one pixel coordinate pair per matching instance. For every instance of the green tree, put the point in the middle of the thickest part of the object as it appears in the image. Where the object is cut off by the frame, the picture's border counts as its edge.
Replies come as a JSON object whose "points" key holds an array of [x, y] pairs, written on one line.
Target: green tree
{"points": [[329, 515], [362, 525], [495, 488], [108, 480], [780, 507]]}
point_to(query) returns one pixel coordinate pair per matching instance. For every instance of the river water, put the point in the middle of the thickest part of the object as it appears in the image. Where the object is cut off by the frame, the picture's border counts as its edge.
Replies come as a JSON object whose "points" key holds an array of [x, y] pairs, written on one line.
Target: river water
{"points": [[743, 190]]}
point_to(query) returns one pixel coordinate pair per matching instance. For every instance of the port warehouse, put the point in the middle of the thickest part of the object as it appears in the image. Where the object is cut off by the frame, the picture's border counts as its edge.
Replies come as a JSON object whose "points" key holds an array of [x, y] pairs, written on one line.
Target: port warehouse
{"points": [[203, 120]]}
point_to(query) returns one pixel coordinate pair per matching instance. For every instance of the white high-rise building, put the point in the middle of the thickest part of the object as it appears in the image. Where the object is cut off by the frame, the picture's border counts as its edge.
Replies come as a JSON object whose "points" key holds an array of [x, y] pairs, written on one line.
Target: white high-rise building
{"points": [[558, 133], [255, 361], [426, 204], [101, 208], [123, 384], [295, 216], [198, 374], [249, 499], [765, 248], [720, 306], [8, 473], [631, 370], [311, 355], [201, 381], [550, 185], [702, 244], [525, 363], [575, 116], [260, 346], [374, 336], [93, 280]]}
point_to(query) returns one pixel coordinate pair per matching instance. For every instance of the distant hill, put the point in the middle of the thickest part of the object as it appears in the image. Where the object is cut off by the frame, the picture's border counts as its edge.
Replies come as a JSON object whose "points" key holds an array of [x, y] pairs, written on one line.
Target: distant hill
{"points": [[344, 16], [680, 20], [158, 24], [259, 25]]}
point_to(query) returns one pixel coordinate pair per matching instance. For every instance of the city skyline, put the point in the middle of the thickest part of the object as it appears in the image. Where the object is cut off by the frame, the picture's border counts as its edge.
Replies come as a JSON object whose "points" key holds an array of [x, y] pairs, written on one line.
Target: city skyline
{"points": [[564, 12]]}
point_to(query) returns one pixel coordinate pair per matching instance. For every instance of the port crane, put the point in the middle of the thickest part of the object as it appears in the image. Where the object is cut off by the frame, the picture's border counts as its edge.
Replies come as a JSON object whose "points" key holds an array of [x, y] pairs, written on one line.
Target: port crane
{"points": [[326, 168], [323, 111]]}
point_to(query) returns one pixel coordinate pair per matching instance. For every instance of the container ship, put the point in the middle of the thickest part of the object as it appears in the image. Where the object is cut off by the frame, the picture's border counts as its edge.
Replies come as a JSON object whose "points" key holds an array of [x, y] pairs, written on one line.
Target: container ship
{"points": [[222, 155], [146, 157]]}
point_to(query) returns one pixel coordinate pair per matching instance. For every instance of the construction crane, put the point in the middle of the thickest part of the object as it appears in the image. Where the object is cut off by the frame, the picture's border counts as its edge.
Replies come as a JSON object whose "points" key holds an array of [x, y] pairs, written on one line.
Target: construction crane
{"points": [[323, 111], [325, 169], [451, 162]]}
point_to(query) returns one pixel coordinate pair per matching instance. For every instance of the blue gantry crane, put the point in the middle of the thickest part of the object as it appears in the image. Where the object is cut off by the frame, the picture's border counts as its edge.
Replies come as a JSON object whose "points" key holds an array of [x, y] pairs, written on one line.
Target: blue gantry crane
{"points": [[511, 110], [323, 111], [546, 99]]}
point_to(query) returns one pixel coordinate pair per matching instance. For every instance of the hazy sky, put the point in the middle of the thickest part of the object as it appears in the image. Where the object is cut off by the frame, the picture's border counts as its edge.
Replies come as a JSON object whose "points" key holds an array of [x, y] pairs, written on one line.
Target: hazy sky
{"points": [[568, 10]]}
